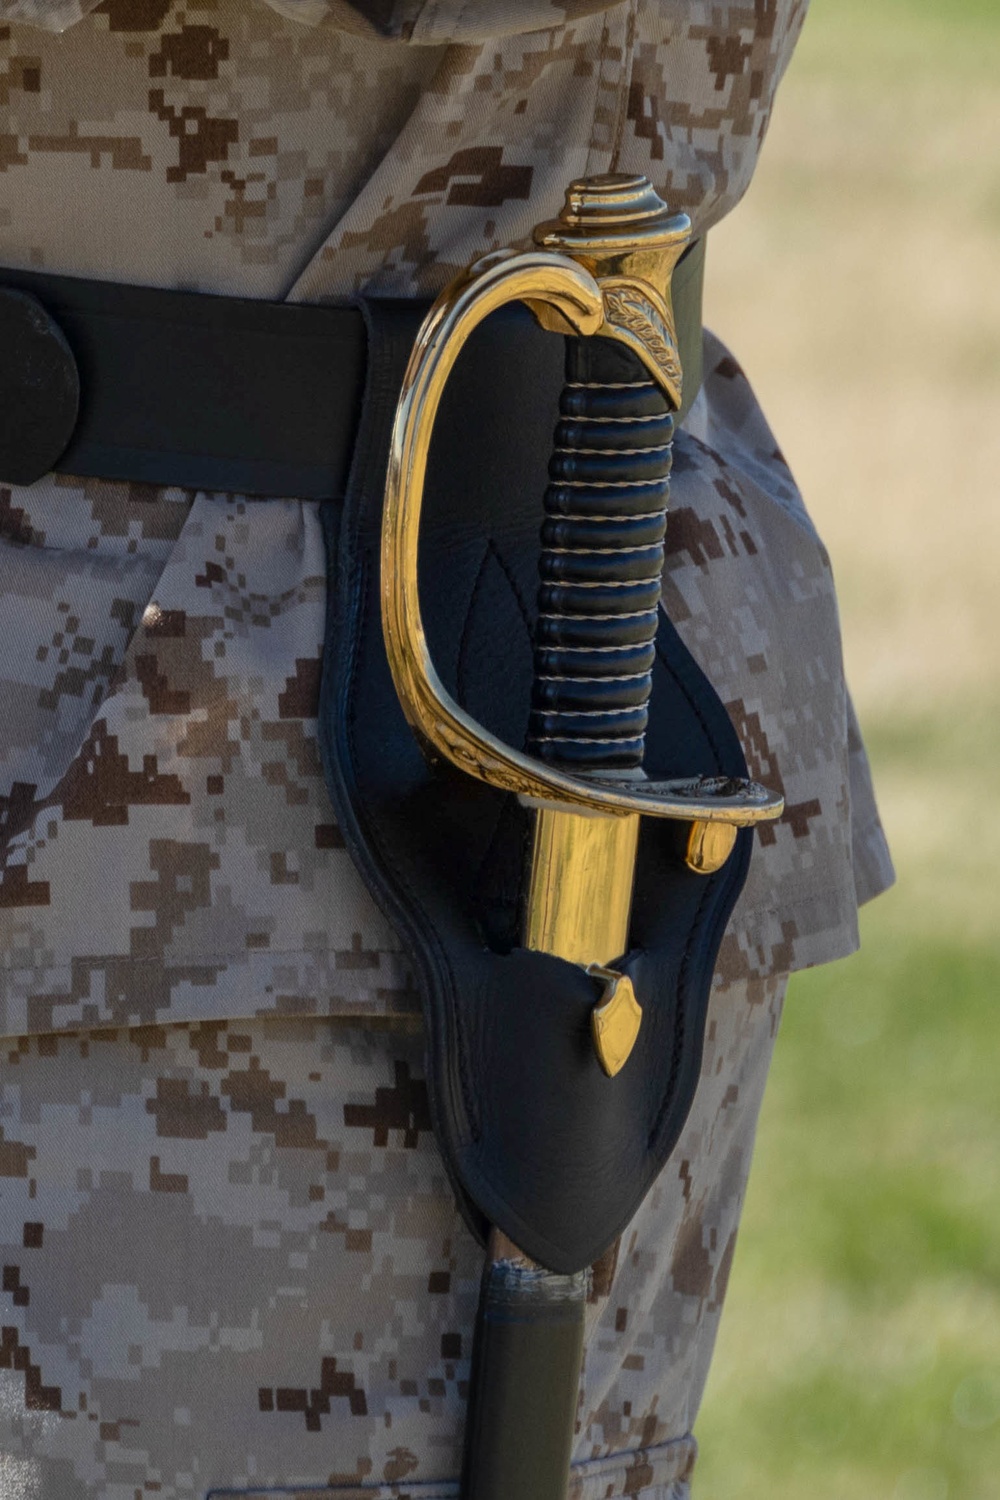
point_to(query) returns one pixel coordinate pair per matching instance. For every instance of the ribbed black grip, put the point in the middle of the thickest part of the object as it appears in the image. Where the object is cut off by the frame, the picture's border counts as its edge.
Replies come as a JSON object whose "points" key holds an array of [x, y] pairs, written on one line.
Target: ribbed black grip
{"points": [[601, 561]]}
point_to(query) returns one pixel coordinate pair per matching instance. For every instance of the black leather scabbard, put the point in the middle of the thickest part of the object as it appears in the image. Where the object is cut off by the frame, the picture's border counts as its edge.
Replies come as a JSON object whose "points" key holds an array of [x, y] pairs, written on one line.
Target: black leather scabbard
{"points": [[537, 1139]]}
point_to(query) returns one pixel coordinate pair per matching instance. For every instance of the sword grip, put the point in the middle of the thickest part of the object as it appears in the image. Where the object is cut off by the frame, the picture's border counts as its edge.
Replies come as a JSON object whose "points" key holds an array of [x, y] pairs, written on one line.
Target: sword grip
{"points": [[601, 561]]}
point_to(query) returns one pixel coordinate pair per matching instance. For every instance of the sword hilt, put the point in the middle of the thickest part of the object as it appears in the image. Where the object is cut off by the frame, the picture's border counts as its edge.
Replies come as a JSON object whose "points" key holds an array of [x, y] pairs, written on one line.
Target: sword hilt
{"points": [[601, 562], [602, 271]]}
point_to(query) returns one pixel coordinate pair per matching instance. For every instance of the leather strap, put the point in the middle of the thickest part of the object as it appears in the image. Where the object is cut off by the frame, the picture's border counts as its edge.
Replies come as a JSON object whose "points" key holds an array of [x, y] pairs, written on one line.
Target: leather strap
{"points": [[215, 393], [205, 392]]}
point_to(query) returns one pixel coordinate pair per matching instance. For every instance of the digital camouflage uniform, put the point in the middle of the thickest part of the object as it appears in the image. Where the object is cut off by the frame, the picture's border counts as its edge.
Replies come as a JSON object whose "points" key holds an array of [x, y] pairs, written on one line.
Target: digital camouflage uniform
{"points": [[231, 1259]]}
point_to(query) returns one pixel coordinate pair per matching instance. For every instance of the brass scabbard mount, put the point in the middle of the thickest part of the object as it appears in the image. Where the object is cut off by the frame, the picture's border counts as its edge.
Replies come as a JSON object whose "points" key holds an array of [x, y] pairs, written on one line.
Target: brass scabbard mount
{"points": [[602, 268]]}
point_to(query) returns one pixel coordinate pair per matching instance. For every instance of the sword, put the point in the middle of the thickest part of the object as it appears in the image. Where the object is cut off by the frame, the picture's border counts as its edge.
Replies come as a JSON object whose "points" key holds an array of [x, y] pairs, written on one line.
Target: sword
{"points": [[602, 268]]}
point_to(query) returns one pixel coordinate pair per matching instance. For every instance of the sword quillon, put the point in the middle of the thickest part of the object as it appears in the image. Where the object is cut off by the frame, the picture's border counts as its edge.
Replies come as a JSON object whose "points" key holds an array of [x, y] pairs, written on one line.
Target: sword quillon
{"points": [[709, 845]]}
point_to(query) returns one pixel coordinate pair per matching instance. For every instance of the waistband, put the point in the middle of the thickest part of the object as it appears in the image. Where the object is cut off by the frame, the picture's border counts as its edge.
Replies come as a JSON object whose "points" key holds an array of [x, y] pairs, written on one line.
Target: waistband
{"points": [[109, 381]]}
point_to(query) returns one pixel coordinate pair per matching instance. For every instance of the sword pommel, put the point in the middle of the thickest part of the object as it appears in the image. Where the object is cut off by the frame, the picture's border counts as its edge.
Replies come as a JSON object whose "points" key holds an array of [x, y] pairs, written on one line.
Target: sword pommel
{"points": [[622, 232]]}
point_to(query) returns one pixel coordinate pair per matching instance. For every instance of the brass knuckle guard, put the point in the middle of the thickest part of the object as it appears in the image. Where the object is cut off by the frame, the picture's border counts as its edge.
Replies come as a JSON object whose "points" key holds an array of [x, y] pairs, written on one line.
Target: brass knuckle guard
{"points": [[603, 267]]}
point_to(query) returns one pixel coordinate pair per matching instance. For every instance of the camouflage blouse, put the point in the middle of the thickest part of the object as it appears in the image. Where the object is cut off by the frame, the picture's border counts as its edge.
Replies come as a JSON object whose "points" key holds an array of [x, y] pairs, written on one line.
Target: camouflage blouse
{"points": [[179, 920]]}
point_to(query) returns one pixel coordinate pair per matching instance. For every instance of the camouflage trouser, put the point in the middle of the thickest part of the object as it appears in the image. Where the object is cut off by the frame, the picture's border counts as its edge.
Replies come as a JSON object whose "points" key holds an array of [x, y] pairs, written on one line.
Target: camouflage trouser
{"points": [[232, 1263]]}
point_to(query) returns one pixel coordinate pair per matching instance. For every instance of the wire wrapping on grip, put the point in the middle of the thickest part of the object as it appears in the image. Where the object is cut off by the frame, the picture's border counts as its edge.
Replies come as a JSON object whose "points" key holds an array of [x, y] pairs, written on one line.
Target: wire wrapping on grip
{"points": [[601, 561]]}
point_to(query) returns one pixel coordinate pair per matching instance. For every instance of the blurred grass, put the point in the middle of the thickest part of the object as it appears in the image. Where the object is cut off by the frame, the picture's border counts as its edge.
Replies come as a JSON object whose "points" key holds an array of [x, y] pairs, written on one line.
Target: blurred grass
{"points": [[860, 1352], [859, 1357]]}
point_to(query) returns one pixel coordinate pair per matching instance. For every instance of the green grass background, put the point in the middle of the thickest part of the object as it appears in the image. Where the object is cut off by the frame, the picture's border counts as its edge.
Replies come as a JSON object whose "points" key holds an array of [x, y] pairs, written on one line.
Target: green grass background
{"points": [[859, 1357]]}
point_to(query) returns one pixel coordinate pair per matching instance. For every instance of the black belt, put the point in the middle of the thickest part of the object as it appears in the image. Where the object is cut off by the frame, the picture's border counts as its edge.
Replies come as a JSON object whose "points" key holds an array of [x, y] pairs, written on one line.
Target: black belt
{"points": [[218, 393]]}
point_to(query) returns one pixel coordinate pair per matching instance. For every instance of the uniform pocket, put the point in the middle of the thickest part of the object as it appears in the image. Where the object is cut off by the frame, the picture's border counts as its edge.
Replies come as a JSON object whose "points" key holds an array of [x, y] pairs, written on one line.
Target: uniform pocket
{"points": [[183, 861]]}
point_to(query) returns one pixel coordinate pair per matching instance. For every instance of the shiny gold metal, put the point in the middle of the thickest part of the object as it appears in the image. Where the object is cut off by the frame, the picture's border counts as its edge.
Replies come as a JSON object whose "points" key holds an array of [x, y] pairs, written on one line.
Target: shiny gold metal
{"points": [[580, 885], [709, 845], [616, 1021], [560, 286], [501, 1247]]}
